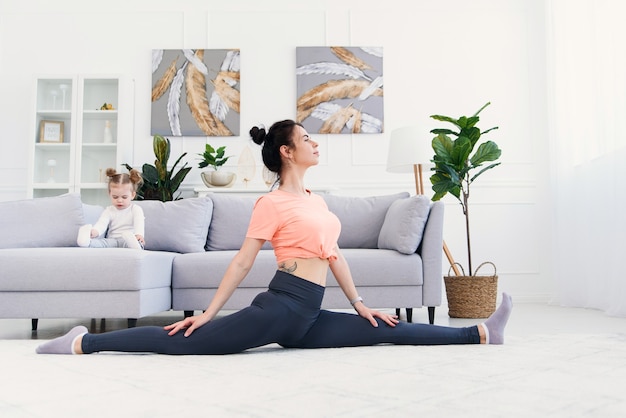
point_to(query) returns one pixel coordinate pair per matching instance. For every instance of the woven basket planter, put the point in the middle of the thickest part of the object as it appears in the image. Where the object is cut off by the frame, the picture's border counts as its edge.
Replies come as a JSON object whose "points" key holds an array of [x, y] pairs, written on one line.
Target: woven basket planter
{"points": [[471, 296]]}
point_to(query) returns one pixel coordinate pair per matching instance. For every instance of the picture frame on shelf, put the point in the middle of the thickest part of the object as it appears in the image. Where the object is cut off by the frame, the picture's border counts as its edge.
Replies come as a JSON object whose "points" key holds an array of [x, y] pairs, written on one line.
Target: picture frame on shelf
{"points": [[51, 131]]}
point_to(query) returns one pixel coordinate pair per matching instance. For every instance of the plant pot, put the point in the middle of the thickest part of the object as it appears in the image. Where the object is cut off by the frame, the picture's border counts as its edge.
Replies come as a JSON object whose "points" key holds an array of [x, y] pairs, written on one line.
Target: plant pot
{"points": [[471, 296], [218, 178]]}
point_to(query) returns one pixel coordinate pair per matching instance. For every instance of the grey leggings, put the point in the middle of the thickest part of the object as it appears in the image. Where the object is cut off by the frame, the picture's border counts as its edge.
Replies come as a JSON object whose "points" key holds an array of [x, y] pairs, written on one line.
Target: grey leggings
{"points": [[107, 243], [289, 314]]}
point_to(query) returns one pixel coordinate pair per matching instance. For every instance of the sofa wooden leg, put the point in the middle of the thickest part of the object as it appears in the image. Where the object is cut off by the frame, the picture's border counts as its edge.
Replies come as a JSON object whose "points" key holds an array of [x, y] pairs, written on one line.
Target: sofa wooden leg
{"points": [[187, 314], [33, 323], [431, 315], [409, 314], [132, 322]]}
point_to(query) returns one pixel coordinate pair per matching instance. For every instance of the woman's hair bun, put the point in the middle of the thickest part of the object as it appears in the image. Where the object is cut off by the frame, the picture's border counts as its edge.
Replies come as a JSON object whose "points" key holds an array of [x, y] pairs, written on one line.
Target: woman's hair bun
{"points": [[258, 134]]}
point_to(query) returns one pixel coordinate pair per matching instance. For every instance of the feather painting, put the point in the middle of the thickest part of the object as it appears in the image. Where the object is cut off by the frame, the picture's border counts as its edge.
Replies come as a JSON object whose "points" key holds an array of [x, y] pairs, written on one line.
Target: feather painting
{"points": [[340, 90], [196, 92]]}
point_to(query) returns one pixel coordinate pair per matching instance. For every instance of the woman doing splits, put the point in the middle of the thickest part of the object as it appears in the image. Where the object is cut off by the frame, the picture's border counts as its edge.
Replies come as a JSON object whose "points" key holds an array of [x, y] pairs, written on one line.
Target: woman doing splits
{"points": [[303, 233]]}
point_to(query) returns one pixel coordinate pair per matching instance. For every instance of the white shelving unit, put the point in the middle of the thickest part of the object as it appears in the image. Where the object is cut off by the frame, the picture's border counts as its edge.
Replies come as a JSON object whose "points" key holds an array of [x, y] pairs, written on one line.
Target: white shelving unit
{"points": [[70, 149]]}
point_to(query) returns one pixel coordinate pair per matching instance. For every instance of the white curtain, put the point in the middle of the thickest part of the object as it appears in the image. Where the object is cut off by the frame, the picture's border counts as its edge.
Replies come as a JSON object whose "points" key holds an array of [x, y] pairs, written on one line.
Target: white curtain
{"points": [[587, 89]]}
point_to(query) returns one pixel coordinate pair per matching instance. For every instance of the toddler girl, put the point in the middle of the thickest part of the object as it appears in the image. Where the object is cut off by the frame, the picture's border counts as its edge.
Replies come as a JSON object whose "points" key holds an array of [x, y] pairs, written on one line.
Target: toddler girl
{"points": [[123, 221]]}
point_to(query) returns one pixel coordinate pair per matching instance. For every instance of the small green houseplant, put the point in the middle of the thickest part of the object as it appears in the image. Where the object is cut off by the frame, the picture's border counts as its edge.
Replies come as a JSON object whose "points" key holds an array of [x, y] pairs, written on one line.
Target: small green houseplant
{"points": [[159, 183], [215, 158], [456, 161]]}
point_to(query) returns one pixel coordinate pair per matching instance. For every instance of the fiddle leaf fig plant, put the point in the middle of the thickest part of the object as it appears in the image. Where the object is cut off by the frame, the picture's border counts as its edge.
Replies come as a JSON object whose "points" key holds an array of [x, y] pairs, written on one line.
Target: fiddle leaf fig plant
{"points": [[159, 182], [213, 157], [459, 160]]}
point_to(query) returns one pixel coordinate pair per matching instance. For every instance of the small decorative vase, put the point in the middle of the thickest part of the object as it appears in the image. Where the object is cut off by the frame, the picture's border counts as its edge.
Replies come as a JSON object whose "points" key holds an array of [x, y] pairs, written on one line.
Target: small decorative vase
{"points": [[218, 178], [108, 135]]}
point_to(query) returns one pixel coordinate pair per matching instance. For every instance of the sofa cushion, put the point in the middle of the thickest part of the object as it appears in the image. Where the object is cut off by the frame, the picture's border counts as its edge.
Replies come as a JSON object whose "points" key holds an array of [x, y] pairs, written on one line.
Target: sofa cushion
{"points": [[361, 217], [231, 216], [189, 271], [26, 223], [384, 268], [404, 224], [83, 269], [180, 226]]}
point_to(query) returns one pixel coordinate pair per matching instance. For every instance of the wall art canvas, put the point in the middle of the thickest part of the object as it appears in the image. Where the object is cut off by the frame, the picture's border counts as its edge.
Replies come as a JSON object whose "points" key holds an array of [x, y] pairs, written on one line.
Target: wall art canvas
{"points": [[195, 92], [340, 89]]}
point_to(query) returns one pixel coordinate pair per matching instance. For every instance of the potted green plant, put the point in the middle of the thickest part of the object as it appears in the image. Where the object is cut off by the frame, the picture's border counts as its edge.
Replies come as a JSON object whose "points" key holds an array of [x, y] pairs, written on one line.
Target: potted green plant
{"points": [[215, 158], [159, 182], [459, 159]]}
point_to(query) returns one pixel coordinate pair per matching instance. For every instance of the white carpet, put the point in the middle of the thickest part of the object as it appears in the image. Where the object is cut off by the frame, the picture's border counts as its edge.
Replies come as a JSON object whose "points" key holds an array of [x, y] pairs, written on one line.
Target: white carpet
{"points": [[567, 375]]}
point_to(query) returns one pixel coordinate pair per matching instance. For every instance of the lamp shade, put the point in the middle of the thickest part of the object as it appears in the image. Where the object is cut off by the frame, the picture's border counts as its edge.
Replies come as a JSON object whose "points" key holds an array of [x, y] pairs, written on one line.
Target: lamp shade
{"points": [[408, 146]]}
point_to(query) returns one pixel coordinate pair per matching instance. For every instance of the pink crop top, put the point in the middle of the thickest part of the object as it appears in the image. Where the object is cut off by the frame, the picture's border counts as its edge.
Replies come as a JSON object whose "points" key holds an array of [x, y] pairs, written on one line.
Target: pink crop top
{"points": [[297, 227]]}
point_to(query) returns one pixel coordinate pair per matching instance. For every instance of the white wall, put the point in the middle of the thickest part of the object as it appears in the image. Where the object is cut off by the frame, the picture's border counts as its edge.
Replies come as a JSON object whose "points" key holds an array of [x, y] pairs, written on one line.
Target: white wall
{"points": [[447, 57]]}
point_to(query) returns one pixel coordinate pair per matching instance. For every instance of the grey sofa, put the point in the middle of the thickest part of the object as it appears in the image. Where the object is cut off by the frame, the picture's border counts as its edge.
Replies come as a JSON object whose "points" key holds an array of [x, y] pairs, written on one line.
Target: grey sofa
{"points": [[43, 274], [393, 244]]}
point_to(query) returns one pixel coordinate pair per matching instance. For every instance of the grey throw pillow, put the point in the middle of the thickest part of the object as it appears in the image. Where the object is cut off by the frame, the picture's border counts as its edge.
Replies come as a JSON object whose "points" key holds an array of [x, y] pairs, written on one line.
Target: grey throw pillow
{"points": [[404, 224], [41, 222], [231, 217], [92, 213], [361, 217], [180, 226]]}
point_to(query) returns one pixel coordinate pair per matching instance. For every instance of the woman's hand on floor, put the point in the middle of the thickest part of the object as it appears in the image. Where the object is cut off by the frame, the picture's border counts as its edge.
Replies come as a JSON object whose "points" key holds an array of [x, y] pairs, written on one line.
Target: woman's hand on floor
{"points": [[190, 324], [371, 314]]}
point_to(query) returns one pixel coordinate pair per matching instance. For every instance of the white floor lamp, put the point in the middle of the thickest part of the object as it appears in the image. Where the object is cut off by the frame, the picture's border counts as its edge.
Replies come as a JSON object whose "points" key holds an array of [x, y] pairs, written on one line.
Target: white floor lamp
{"points": [[409, 151]]}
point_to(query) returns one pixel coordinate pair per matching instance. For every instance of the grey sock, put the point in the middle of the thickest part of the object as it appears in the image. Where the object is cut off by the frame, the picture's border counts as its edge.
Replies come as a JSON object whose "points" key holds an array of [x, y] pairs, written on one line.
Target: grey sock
{"points": [[64, 344], [494, 325]]}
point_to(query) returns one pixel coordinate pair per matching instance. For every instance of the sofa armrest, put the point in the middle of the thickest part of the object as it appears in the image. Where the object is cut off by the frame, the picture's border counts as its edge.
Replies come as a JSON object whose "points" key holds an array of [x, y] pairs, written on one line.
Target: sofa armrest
{"points": [[431, 250]]}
